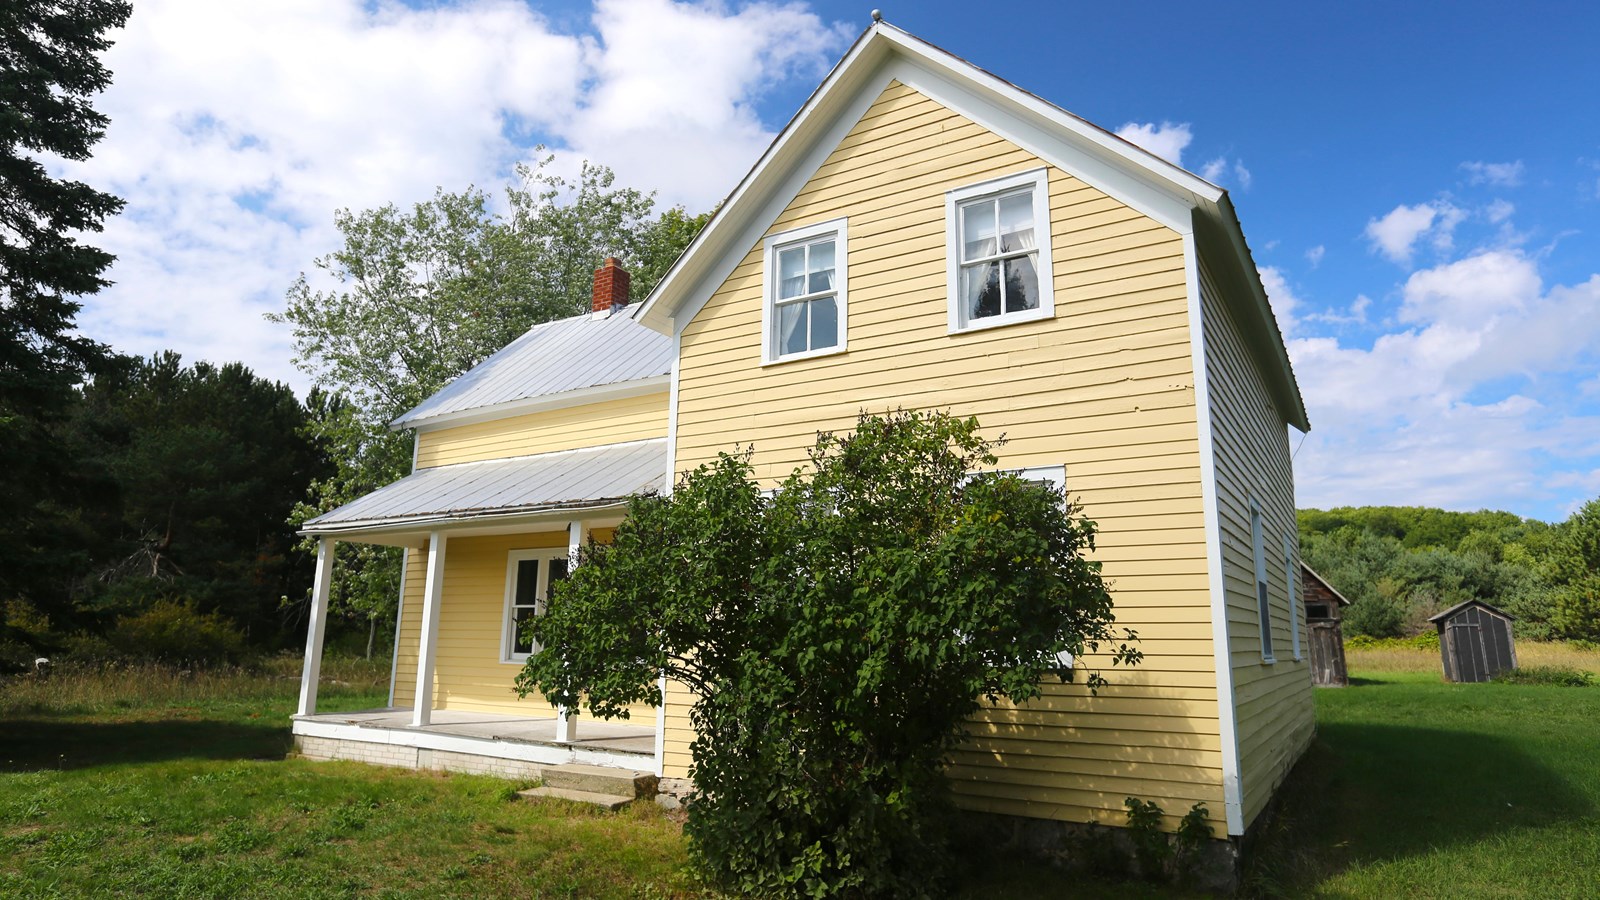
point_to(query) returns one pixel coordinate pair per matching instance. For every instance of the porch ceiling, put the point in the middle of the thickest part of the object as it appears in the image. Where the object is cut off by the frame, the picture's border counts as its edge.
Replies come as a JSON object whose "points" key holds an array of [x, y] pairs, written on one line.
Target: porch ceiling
{"points": [[501, 489]]}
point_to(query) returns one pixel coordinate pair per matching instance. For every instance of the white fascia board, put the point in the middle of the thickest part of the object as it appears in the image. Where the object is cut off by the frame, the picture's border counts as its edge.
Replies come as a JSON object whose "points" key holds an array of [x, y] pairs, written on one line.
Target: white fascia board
{"points": [[1046, 133], [728, 224], [637, 387], [1227, 700], [410, 532], [1175, 179]]}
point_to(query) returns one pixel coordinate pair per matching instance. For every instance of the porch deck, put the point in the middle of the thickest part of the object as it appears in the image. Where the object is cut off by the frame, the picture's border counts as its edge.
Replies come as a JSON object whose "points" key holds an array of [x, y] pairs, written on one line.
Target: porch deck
{"points": [[457, 740]]}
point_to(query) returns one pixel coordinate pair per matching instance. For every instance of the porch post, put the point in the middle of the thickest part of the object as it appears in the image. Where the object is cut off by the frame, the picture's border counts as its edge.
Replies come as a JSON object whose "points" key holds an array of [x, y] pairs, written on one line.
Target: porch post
{"points": [[315, 628], [422, 706], [566, 724]]}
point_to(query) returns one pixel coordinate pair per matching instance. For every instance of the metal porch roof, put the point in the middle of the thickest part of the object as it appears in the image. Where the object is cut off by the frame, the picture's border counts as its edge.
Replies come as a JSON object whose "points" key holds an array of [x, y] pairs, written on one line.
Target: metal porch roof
{"points": [[552, 358], [571, 479]]}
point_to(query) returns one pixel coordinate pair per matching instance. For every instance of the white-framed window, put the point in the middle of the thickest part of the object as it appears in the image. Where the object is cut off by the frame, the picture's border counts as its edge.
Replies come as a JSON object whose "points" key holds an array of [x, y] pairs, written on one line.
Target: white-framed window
{"points": [[806, 282], [998, 251], [529, 574], [1258, 546], [1292, 585]]}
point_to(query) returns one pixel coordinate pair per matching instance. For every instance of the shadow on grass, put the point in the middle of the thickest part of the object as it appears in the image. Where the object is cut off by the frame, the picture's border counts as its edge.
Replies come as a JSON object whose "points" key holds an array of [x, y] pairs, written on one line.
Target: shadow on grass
{"points": [[34, 744], [1376, 792]]}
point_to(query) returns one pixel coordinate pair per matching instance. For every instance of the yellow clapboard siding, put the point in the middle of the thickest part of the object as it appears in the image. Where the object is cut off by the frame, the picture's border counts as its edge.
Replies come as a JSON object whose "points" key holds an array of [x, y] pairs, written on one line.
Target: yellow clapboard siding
{"points": [[587, 425], [1105, 389], [1274, 706]]}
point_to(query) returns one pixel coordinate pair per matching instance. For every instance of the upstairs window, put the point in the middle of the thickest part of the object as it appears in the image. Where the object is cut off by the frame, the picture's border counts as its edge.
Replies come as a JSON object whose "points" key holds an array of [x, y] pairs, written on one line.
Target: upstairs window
{"points": [[806, 292], [998, 252]]}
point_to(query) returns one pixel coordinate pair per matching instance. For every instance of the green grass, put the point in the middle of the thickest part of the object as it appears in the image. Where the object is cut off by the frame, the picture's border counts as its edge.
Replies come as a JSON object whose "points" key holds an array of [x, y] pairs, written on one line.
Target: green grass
{"points": [[149, 782], [156, 784], [1416, 788]]}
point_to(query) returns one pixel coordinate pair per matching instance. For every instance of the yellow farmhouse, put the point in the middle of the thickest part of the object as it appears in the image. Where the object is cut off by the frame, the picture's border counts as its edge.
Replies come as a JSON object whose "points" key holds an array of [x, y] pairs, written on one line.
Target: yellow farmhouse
{"points": [[922, 235]]}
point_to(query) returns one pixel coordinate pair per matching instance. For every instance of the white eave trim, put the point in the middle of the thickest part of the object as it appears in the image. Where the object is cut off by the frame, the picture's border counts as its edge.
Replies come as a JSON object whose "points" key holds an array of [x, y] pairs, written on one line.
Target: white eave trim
{"points": [[620, 390], [401, 524]]}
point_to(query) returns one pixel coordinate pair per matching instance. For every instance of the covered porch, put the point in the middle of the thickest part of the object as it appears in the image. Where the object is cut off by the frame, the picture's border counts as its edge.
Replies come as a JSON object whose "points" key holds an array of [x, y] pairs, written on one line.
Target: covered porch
{"points": [[471, 532]]}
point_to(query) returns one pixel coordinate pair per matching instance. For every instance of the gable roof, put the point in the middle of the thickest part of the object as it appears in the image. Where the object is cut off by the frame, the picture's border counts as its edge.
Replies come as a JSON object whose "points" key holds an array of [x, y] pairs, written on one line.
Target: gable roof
{"points": [[1173, 196], [1463, 605], [1343, 601], [581, 359]]}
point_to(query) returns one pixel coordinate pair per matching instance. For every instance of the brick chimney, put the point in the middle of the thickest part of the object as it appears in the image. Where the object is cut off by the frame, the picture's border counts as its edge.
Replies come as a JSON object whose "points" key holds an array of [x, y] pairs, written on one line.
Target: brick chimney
{"points": [[610, 287]]}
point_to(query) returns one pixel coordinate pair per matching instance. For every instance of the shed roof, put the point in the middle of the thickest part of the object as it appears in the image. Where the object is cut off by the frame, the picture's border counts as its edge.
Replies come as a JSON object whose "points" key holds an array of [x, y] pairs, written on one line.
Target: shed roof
{"points": [[1460, 606], [1343, 601], [552, 358], [569, 479]]}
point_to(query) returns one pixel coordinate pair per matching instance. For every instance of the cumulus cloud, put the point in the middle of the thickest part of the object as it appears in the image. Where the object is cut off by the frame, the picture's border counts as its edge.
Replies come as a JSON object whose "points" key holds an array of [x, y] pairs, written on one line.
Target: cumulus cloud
{"points": [[237, 130], [1315, 254], [1508, 174], [1445, 410], [1281, 296], [1396, 233], [1223, 170], [1166, 140]]}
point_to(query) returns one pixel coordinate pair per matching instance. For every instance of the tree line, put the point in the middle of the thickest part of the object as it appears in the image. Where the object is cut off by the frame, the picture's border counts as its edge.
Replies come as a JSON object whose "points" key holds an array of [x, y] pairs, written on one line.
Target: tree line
{"points": [[1401, 564], [150, 506]]}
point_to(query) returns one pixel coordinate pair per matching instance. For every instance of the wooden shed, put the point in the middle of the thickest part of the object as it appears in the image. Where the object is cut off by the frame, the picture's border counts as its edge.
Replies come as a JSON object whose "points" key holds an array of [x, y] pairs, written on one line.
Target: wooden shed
{"points": [[1475, 641], [1324, 610]]}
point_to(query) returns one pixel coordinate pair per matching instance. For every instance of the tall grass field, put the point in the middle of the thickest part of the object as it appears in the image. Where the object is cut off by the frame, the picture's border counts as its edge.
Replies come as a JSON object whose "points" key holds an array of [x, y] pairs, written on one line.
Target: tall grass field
{"points": [[147, 781]]}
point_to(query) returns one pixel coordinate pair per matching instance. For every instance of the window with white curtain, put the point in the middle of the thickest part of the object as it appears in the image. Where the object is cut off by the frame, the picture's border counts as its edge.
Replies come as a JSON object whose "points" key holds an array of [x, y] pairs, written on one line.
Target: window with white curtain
{"points": [[806, 292], [998, 251]]}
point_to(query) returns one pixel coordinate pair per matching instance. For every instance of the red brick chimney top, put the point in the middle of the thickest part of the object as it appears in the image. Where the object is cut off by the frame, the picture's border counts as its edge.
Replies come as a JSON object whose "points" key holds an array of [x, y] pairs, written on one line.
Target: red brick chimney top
{"points": [[610, 286]]}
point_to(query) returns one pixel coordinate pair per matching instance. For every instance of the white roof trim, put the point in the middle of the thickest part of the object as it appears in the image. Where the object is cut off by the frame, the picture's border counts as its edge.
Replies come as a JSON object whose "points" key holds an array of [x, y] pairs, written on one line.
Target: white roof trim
{"points": [[599, 393], [1142, 180]]}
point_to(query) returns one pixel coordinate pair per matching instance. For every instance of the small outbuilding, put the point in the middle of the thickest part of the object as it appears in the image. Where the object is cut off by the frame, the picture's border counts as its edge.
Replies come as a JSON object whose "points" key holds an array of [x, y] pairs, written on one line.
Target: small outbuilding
{"points": [[1324, 612], [1475, 641]]}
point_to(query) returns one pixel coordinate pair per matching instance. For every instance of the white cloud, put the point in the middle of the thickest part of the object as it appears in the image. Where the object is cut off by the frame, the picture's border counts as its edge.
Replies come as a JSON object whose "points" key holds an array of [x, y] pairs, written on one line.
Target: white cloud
{"points": [[1499, 211], [1424, 415], [1315, 254], [1495, 174], [1396, 234], [237, 129], [1282, 298], [1221, 170], [1166, 140], [1243, 174]]}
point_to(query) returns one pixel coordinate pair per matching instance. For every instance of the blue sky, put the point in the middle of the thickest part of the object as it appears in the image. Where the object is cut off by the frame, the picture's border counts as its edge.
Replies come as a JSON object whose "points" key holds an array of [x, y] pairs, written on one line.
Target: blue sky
{"points": [[1420, 183]]}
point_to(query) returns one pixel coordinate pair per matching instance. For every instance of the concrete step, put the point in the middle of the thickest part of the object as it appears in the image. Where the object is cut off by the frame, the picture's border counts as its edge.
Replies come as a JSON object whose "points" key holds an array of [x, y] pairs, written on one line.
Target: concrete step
{"points": [[600, 780], [607, 801]]}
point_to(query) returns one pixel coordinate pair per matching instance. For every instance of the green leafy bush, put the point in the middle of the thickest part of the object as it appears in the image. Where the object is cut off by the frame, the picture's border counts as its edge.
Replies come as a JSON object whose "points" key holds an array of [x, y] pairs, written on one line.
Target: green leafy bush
{"points": [[175, 631], [837, 634]]}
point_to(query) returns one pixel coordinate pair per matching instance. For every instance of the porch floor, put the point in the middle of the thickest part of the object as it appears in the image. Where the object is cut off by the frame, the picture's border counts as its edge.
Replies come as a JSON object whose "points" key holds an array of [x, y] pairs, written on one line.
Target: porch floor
{"points": [[592, 734]]}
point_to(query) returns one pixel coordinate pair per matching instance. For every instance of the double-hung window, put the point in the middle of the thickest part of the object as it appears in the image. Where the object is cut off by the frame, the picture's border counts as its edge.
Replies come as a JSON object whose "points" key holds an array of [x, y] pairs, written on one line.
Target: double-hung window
{"points": [[806, 306], [1258, 546], [1290, 584], [529, 575], [998, 252]]}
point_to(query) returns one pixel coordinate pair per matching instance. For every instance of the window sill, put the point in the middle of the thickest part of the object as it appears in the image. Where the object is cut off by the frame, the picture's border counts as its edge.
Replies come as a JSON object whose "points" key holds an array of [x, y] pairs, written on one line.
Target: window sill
{"points": [[1017, 318], [1269, 661], [809, 354]]}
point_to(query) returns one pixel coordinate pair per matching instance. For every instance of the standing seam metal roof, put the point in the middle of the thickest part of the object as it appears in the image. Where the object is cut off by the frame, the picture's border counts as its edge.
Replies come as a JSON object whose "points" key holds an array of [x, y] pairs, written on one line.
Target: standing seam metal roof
{"points": [[598, 476], [552, 358]]}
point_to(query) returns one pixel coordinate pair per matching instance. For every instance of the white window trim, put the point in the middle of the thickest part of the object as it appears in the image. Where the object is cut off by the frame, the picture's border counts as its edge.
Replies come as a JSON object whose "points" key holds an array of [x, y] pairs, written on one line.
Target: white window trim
{"points": [[541, 592], [770, 246], [1258, 551], [1291, 584], [1039, 181]]}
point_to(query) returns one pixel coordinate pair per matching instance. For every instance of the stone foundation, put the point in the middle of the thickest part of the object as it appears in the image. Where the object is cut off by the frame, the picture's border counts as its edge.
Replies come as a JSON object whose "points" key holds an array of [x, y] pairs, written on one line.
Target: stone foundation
{"points": [[1093, 849]]}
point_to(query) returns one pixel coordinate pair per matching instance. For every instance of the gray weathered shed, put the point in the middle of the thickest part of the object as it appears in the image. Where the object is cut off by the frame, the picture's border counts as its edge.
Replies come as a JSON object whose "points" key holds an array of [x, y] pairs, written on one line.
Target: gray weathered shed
{"points": [[1324, 611], [1475, 641]]}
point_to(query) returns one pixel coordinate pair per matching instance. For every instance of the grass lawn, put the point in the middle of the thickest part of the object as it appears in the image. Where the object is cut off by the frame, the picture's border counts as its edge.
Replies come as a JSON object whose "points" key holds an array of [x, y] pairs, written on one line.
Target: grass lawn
{"points": [[145, 782]]}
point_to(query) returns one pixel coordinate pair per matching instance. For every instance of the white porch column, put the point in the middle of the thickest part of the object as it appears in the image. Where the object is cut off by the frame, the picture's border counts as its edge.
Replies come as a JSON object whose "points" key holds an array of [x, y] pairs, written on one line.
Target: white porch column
{"points": [[316, 627], [422, 705], [566, 723]]}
